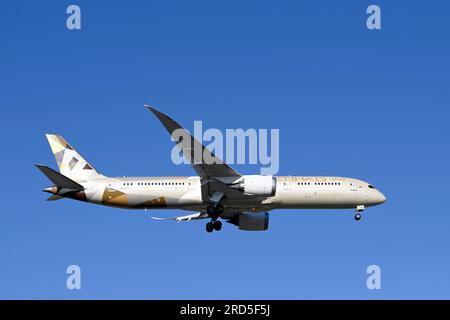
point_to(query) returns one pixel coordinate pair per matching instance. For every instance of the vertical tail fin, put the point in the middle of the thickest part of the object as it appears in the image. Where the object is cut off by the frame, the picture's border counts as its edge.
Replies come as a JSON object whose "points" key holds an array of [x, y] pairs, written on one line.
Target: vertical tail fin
{"points": [[70, 162]]}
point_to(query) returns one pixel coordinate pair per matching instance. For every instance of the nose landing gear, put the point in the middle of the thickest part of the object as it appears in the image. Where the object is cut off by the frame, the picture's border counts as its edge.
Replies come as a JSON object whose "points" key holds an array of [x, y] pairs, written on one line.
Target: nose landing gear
{"points": [[359, 209]]}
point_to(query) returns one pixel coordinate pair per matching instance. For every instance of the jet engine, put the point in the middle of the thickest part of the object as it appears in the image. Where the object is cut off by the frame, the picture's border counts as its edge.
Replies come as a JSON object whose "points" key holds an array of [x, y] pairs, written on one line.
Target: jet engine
{"points": [[255, 185], [258, 221]]}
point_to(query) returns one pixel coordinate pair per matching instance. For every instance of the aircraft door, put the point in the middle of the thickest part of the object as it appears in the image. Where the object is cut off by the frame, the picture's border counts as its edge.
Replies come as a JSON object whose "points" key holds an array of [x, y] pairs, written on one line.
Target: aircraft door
{"points": [[286, 184], [191, 184]]}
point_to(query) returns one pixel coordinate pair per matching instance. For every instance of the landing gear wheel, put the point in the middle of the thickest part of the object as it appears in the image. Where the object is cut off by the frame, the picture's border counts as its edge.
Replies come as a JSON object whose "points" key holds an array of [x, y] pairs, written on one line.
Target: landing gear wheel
{"points": [[217, 225], [209, 227], [357, 216], [210, 210]]}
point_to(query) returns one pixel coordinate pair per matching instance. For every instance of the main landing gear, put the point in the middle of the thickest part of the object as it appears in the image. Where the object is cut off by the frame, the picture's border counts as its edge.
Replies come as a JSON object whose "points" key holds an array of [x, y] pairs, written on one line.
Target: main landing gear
{"points": [[211, 226], [214, 212], [359, 210]]}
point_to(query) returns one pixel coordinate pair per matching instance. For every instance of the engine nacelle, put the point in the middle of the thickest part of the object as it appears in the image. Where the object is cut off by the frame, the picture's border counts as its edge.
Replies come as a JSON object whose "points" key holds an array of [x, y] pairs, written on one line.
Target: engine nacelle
{"points": [[255, 185], [258, 221]]}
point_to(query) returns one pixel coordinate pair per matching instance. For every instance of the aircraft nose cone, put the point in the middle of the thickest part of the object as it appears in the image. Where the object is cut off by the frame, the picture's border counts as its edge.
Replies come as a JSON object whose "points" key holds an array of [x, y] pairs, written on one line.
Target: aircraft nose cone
{"points": [[381, 198]]}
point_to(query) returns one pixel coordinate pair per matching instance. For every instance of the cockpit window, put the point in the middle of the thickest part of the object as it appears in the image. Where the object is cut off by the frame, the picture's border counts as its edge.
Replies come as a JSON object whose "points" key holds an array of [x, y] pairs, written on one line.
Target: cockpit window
{"points": [[371, 186]]}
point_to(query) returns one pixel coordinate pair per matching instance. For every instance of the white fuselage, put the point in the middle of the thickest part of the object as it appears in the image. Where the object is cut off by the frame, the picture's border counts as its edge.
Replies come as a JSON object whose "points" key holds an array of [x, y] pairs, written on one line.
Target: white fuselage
{"points": [[185, 193]]}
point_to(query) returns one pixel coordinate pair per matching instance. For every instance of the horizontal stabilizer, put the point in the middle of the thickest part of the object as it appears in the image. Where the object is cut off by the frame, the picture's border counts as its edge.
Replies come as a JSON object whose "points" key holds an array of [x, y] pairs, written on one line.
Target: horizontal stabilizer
{"points": [[54, 197], [58, 179]]}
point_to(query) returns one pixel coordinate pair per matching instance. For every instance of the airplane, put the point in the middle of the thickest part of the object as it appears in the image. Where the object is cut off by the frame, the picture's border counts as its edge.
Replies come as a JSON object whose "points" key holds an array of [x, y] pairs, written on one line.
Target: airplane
{"points": [[217, 192]]}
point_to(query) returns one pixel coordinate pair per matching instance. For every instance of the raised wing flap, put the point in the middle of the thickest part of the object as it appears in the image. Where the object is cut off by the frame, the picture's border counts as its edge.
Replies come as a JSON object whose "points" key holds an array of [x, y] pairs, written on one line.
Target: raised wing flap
{"points": [[195, 216]]}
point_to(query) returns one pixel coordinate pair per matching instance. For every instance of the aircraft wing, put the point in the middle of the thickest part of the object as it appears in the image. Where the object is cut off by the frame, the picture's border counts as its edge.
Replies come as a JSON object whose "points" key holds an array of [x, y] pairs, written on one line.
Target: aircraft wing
{"points": [[204, 162]]}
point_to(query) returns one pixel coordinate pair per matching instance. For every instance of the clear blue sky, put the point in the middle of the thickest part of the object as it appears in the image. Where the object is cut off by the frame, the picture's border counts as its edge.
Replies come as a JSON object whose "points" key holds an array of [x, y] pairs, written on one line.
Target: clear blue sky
{"points": [[348, 101]]}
